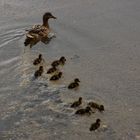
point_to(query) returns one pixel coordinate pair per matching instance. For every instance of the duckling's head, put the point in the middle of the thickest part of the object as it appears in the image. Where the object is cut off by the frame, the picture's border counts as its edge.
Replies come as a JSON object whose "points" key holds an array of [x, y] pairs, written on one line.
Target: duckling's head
{"points": [[80, 99], [60, 74], [98, 121], [62, 59], [102, 108], [40, 56], [88, 109], [76, 80], [41, 68]]}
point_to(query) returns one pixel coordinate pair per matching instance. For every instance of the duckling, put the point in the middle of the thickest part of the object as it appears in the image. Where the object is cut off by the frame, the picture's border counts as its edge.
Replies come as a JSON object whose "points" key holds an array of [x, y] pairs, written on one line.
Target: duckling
{"points": [[95, 125], [77, 103], [83, 111], [39, 72], [39, 32], [74, 84], [52, 70], [96, 106], [38, 60], [62, 61], [56, 77]]}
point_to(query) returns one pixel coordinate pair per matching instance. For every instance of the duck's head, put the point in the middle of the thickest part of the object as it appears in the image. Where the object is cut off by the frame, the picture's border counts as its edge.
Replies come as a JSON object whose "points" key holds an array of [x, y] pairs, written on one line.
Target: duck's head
{"points": [[47, 16], [41, 68], [60, 74], [40, 56], [80, 99], [76, 80], [98, 121], [102, 108]]}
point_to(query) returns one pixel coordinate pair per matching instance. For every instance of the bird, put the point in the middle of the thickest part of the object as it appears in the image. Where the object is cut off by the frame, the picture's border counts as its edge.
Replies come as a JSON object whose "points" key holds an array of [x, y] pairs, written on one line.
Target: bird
{"points": [[84, 111], [61, 61], [56, 77], [38, 60], [74, 84], [77, 103], [39, 32], [96, 106], [52, 70], [95, 125], [39, 72]]}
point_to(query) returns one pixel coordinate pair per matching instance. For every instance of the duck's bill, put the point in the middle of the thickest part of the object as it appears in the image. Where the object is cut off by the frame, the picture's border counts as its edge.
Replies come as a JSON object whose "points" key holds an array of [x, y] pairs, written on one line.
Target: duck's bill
{"points": [[54, 17]]}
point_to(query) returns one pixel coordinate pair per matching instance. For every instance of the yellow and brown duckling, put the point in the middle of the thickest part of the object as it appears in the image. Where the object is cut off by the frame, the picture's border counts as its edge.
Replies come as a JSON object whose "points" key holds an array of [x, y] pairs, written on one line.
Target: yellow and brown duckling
{"points": [[56, 77], [52, 70], [77, 103], [96, 106], [84, 111], [39, 32], [39, 72], [74, 84], [61, 61], [38, 60], [95, 125]]}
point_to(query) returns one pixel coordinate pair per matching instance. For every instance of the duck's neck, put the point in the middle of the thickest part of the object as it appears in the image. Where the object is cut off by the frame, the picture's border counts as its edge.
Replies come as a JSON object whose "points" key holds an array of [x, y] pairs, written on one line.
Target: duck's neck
{"points": [[46, 24]]}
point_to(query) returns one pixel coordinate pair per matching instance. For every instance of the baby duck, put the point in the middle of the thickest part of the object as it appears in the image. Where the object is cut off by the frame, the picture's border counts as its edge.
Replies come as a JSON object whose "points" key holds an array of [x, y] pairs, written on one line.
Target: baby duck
{"points": [[52, 70], [74, 84], [77, 103], [84, 111], [56, 77], [95, 125], [38, 60], [96, 106], [61, 61], [39, 32], [39, 72]]}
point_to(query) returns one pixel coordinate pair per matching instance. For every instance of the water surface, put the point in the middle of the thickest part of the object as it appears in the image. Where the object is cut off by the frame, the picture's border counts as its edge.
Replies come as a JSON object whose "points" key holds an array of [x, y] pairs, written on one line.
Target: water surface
{"points": [[100, 40]]}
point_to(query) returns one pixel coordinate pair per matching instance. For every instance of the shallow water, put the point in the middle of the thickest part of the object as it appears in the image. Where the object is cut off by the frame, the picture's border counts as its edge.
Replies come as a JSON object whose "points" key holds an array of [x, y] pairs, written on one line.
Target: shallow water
{"points": [[100, 40]]}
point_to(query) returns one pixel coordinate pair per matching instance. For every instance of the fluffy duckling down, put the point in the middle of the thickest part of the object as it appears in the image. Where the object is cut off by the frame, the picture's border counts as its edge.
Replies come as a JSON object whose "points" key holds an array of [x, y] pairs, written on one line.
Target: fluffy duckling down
{"points": [[74, 84], [84, 111], [96, 106], [95, 125], [77, 103], [38, 60], [39, 72], [56, 76], [61, 61]]}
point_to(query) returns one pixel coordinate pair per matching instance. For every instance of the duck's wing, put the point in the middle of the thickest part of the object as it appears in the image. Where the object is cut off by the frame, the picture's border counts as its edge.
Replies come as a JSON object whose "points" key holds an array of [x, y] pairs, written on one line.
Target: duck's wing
{"points": [[37, 29]]}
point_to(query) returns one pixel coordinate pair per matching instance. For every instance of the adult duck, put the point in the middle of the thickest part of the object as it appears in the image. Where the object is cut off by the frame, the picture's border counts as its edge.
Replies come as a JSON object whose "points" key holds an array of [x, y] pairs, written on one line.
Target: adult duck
{"points": [[40, 32]]}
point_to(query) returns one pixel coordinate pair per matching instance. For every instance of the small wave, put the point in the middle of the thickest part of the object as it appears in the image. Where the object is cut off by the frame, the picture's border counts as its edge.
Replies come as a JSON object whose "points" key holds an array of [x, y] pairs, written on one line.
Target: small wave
{"points": [[11, 60]]}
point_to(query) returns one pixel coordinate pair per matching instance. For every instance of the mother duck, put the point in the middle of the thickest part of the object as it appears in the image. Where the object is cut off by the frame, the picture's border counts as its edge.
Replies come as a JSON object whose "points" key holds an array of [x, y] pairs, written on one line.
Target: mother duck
{"points": [[39, 32]]}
